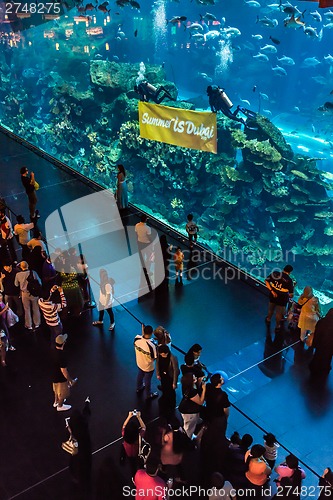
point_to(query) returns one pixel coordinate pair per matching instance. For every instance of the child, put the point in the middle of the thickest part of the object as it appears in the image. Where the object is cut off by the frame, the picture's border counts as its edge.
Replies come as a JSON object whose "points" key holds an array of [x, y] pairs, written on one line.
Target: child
{"points": [[179, 264], [271, 447], [191, 229]]}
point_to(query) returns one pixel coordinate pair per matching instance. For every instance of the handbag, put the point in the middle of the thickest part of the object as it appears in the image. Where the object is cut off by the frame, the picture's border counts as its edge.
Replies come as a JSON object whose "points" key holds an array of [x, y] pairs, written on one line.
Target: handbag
{"points": [[71, 446], [36, 186], [11, 317]]}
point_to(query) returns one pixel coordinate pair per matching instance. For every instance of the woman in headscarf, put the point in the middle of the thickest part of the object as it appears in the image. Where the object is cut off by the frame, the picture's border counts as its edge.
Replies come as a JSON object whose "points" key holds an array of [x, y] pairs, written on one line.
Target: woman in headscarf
{"points": [[320, 365], [310, 312]]}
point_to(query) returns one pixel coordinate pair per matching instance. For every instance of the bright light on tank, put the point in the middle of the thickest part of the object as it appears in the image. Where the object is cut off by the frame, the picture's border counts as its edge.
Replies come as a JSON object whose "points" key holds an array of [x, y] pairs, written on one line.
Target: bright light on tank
{"points": [[107, 46], [87, 23], [57, 46], [30, 43], [104, 22], [108, 19], [86, 49], [94, 19]]}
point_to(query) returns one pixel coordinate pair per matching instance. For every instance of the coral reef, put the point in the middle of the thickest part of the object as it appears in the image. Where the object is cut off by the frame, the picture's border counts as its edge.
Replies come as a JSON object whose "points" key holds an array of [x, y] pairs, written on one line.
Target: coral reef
{"points": [[266, 197]]}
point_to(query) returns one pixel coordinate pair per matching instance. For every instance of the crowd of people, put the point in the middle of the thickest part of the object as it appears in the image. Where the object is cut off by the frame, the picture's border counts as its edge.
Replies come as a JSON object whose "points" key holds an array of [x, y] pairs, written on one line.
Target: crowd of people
{"points": [[38, 288]]}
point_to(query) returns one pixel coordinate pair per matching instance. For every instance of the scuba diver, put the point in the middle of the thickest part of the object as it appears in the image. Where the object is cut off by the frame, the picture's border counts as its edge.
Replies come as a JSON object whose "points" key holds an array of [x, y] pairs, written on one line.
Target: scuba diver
{"points": [[147, 92], [219, 101]]}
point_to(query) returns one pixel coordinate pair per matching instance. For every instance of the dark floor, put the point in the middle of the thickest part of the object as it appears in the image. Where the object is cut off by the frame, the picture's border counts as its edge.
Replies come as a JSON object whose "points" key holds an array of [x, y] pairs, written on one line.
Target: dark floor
{"points": [[226, 318]]}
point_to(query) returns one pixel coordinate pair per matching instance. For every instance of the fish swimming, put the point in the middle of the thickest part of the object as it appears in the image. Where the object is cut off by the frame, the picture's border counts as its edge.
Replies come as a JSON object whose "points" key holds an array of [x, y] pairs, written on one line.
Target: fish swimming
{"points": [[293, 22], [316, 16], [266, 21], [253, 3], [329, 15], [261, 57], [268, 49], [328, 26], [208, 17], [176, 19], [279, 71], [257, 37], [195, 27], [286, 61], [275, 40], [231, 32], [211, 35], [320, 79], [310, 32], [310, 61], [329, 59]]}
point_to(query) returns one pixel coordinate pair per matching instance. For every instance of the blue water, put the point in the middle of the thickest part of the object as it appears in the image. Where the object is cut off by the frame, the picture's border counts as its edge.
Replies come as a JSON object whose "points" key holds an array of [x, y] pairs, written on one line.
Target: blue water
{"points": [[47, 96]]}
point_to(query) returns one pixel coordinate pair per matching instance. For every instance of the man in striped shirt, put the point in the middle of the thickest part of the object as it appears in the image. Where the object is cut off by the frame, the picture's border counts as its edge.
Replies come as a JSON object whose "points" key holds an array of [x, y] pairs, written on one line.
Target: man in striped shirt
{"points": [[50, 311]]}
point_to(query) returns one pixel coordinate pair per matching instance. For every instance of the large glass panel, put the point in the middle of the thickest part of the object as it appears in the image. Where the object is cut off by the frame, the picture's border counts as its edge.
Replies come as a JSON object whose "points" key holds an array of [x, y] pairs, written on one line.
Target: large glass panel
{"points": [[67, 81]]}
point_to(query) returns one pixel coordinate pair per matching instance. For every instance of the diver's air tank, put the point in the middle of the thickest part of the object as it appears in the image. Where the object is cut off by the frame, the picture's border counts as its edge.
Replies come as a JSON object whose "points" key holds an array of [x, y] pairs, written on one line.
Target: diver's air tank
{"points": [[225, 99]]}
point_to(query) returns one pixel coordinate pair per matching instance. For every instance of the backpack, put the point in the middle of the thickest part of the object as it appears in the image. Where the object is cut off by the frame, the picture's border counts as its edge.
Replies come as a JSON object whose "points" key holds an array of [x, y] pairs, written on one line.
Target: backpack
{"points": [[34, 288]]}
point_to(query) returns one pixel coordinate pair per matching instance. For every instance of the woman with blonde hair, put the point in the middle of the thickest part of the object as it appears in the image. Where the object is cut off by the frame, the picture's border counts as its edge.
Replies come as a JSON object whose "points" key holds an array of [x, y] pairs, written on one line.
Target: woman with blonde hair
{"points": [[310, 312]]}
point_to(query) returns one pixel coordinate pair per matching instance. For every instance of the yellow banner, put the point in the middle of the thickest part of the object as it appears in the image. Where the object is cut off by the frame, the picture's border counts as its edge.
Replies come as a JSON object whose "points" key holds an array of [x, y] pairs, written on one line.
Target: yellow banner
{"points": [[180, 127]]}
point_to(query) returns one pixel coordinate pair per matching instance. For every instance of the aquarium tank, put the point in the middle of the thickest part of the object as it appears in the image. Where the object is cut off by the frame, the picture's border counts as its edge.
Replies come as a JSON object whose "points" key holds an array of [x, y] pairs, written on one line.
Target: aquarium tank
{"points": [[67, 85]]}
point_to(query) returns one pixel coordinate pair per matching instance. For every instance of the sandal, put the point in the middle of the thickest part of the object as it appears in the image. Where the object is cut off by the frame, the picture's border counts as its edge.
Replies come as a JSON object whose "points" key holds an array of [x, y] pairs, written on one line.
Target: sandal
{"points": [[97, 323]]}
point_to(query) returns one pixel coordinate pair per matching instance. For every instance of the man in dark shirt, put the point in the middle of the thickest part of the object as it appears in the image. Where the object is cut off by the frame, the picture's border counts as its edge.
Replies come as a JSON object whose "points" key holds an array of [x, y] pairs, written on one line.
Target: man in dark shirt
{"points": [[62, 381], [28, 182], [281, 288], [217, 401]]}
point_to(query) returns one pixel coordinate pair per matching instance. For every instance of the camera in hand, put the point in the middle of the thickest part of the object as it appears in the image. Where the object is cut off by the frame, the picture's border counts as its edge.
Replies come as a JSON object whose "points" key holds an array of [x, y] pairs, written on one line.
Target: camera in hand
{"points": [[134, 412]]}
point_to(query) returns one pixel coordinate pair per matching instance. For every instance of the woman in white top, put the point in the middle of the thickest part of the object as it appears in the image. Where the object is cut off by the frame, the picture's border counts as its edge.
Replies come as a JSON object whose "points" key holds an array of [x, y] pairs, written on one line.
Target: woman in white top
{"points": [[105, 299], [310, 312]]}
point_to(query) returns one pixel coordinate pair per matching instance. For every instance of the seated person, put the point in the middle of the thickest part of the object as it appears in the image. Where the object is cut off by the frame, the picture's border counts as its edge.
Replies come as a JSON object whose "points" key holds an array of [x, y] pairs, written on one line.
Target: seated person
{"points": [[219, 101], [148, 92]]}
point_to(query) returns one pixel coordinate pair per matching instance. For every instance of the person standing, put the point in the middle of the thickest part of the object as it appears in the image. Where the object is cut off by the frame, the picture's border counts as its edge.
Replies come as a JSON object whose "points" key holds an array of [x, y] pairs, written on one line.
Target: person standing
{"points": [[11, 291], [143, 233], [122, 194], [7, 234], [50, 310], [28, 182], [145, 352], [179, 265], [22, 231], [61, 379], [106, 299], [167, 371], [147, 481], [192, 230], [281, 288], [320, 365], [310, 312], [29, 301], [217, 401], [190, 405]]}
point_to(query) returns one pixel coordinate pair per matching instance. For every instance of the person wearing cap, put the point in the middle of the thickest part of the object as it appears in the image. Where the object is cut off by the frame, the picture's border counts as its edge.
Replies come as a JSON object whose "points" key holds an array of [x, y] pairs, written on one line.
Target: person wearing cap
{"points": [[29, 301], [147, 481], [62, 381]]}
